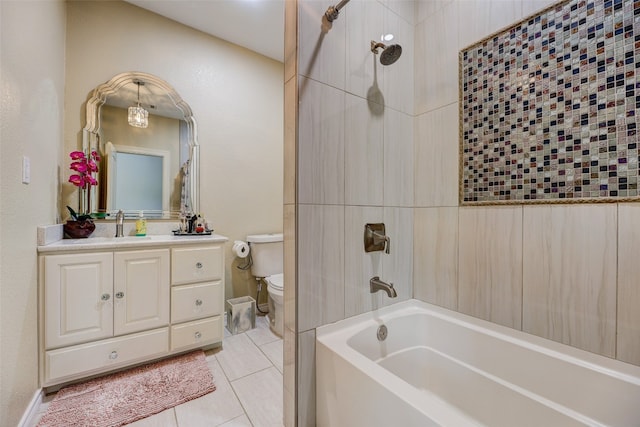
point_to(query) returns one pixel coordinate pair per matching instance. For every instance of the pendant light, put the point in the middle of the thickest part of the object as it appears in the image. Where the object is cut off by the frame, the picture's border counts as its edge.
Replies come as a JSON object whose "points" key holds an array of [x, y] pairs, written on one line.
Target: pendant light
{"points": [[138, 116]]}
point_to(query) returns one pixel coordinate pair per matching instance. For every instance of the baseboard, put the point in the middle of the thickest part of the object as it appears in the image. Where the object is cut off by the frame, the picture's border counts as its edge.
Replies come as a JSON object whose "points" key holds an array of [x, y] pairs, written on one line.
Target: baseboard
{"points": [[32, 409]]}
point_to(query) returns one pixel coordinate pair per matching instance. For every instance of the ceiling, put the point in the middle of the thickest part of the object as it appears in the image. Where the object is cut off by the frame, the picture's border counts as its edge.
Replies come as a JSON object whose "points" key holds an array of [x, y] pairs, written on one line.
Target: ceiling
{"points": [[257, 25]]}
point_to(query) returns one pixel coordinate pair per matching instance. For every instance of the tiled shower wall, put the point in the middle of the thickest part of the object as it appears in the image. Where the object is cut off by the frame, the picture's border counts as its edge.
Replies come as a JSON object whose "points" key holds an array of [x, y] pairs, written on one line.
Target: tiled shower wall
{"points": [[566, 272], [354, 166], [367, 143]]}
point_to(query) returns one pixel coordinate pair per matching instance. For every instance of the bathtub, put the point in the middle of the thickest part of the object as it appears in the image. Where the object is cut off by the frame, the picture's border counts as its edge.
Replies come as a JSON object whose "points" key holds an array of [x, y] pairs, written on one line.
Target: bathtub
{"points": [[437, 367]]}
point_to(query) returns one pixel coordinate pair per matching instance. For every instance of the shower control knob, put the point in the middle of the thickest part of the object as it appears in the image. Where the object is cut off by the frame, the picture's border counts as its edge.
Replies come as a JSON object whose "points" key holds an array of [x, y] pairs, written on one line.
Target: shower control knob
{"points": [[120, 295], [198, 302], [199, 265], [105, 297], [113, 355], [198, 335]]}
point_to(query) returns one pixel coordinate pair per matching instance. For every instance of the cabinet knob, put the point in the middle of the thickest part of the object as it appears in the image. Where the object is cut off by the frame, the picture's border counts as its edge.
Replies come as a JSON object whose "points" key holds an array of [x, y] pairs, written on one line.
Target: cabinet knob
{"points": [[198, 302], [120, 295], [105, 297], [198, 335], [113, 355], [198, 265]]}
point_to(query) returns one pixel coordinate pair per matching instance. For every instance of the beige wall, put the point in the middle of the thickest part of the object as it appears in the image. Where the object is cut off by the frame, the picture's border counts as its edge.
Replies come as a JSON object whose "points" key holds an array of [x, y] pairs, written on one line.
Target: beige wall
{"points": [[32, 85], [236, 97]]}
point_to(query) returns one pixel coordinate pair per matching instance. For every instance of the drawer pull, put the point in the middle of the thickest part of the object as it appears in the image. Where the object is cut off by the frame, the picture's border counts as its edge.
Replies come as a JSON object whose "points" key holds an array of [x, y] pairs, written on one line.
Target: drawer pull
{"points": [[198, 265], [198, 335], [113, 355], [105, 297], [120, 295], [198, 302]]}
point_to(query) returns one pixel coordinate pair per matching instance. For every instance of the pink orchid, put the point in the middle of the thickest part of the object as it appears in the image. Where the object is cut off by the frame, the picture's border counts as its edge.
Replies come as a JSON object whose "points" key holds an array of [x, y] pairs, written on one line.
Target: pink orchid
{"points": [[76, 180], [85, 168], [79, 167]]}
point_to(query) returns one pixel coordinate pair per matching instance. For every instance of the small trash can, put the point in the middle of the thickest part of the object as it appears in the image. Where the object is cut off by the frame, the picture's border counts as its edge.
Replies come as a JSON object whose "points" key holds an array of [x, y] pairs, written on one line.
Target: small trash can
{"points": [[241, 314]]}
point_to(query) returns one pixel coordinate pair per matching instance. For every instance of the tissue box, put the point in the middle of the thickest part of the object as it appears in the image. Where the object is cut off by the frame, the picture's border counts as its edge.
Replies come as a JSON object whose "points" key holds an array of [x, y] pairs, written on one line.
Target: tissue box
{"points": [[241, 314]]}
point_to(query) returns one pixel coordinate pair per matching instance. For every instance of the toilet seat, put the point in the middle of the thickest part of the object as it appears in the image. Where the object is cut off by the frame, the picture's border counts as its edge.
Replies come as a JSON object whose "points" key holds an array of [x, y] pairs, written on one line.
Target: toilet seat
{"points": [[276, 282]]}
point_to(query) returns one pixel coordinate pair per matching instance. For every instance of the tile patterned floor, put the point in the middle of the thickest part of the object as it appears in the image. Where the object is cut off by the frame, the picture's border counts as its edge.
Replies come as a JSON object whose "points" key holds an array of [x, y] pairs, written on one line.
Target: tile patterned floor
{"points": [[247, 371]]}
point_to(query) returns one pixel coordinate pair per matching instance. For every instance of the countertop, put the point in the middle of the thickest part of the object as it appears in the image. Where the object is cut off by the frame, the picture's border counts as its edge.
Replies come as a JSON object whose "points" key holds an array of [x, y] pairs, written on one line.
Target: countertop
{"points": [[127, 242]]}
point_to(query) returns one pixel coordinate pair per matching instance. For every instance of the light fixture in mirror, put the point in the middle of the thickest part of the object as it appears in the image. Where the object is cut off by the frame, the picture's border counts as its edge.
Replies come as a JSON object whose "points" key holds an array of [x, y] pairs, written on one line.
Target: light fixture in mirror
{"points": [[153, 168], [138, 116]]}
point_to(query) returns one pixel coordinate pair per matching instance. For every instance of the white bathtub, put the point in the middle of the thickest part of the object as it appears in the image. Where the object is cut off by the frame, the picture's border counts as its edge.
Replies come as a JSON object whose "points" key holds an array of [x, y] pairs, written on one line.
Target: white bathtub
{"points": [[441, 368]]}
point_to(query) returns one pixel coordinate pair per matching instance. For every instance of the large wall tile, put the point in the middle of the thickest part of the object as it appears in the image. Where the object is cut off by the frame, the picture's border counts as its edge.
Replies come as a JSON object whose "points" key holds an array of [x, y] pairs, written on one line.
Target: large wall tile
{"points": [[320, 143], [397, 83], [398, 158], [321, 46], [320, 293], [397, 266], [481, 18], [628, 345], [360, 266], [436, 59], [436, 158], [307, 378], [490, 264], [435, 256], [290, 284], [290, 39], [569, 283], [426, 8], [364, 22], [406, 9], [363, 154], [290, 122]]}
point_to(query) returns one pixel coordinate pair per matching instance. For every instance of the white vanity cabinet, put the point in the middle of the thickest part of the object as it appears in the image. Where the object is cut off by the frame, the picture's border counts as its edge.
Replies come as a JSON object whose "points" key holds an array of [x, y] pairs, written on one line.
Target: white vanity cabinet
{"points": [[106, 309]]}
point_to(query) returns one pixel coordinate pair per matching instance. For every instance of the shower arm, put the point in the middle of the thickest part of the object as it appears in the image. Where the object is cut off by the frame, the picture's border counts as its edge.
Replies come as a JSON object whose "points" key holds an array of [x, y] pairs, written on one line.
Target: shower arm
{"points": [[333, 11]]}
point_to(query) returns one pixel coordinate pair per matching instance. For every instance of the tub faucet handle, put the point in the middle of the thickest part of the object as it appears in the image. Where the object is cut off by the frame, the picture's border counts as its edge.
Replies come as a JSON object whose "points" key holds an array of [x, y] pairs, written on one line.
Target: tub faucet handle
{"points": [[376, 239]]}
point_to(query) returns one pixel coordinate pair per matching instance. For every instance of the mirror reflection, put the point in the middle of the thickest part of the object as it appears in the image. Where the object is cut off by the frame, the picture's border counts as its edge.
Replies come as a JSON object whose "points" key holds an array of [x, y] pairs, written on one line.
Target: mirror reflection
{"points": [[146, 136]]}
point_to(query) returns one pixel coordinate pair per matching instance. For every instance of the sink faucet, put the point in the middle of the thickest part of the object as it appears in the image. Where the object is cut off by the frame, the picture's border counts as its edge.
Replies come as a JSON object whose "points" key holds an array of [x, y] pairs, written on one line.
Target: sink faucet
{"points": [[375, 285], [119, 223]]}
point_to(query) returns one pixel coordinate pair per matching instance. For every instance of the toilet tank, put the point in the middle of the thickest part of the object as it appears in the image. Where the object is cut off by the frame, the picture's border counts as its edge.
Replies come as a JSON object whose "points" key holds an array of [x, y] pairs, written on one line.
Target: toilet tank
{"points": [[266, 253]]}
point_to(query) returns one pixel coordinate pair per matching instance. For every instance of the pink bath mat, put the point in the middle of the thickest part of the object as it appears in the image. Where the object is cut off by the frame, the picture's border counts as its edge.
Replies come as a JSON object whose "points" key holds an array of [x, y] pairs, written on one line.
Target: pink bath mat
{"points": [[124, 397]]}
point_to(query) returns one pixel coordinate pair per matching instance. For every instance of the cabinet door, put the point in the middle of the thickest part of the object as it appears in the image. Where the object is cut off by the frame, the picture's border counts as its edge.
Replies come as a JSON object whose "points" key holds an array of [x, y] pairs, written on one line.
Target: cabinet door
{"points": [[141, 290], [77, 298]]}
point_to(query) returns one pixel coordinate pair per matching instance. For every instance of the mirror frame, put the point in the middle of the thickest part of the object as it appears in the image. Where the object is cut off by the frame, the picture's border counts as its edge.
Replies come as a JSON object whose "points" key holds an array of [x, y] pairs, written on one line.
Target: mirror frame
{"points": [[91, 140]]}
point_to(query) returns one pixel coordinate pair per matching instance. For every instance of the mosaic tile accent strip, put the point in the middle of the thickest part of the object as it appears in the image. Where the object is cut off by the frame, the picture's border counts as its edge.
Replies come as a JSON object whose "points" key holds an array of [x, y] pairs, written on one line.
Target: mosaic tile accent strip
{"points": [[550, 108]]}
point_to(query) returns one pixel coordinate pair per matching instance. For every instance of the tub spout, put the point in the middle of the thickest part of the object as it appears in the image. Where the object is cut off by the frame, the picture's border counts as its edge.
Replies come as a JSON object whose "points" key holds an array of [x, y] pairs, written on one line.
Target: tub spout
{"points": [[375, 285]]}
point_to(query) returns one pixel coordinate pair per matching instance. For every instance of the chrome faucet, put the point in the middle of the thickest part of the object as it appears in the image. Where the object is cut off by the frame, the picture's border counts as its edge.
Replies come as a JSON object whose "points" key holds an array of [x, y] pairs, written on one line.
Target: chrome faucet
{"points": [[119, 223], [375, 285]]}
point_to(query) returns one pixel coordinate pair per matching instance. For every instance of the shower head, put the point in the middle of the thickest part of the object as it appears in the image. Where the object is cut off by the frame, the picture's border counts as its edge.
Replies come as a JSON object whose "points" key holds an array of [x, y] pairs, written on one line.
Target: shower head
{"points": [[389, 55]]}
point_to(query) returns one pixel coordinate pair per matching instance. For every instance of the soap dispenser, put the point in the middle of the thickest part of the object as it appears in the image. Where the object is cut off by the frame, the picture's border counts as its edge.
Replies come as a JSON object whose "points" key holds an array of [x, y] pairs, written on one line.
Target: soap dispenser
{"points": [[141, 225]]}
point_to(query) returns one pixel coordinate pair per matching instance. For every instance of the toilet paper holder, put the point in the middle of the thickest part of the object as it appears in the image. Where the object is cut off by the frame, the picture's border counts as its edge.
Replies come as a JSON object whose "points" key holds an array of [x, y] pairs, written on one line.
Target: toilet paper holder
{"points": [[376, 239]]}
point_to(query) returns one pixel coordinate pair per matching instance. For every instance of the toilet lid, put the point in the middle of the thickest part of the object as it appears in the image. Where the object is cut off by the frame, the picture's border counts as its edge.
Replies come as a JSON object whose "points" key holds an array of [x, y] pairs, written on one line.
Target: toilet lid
{"points": [[276, 281]]}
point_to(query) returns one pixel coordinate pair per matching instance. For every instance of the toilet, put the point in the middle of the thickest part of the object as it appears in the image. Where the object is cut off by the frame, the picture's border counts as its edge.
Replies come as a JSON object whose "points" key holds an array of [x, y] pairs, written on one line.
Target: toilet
{"points": [[267, 257]]}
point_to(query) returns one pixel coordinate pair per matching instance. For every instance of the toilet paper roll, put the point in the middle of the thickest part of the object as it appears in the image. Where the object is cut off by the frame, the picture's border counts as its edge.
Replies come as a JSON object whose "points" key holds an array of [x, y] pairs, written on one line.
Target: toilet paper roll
{"points": [[240, 248]]}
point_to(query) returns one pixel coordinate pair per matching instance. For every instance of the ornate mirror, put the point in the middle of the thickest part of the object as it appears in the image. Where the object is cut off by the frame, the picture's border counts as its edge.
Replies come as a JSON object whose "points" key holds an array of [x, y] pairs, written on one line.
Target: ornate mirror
{"points": [[149, 153]]}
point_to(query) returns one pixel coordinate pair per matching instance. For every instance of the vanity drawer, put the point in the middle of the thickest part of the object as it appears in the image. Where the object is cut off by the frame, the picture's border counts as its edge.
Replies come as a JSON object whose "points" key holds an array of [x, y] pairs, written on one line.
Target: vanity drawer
{"points": [[190, 302], [99, 356], [199, 264], [197, 333]]}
